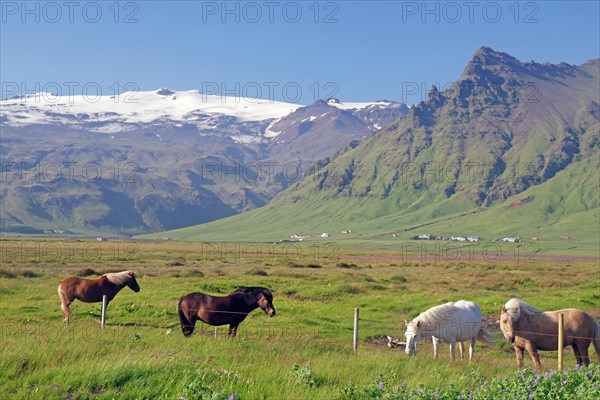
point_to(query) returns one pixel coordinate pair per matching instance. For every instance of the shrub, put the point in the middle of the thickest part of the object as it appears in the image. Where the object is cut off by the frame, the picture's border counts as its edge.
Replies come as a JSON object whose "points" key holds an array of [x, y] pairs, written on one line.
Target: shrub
{"points": [[87, 272], [29, 274], [346, 265], [347, 288], [196, 273], [577, 383], [6, 274], [197, 390], [292, 264], [258, 271], [304, 374], [174, 264], [398, 278]]}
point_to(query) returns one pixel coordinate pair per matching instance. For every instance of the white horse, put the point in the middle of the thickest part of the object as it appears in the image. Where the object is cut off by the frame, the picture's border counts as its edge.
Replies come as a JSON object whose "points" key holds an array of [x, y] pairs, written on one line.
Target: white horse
{"points": [[451, 323]]}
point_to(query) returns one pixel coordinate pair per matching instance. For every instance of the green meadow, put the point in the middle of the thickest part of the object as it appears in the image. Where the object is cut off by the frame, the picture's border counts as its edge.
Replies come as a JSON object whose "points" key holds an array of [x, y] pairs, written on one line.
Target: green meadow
{"points": [[304, 352]]}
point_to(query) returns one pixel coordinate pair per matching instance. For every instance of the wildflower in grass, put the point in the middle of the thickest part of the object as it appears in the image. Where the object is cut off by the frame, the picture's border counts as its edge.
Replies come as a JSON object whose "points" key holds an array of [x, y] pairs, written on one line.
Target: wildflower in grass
{"points": [[232, 397], [381, 385], [577, 367], [404, 384]]}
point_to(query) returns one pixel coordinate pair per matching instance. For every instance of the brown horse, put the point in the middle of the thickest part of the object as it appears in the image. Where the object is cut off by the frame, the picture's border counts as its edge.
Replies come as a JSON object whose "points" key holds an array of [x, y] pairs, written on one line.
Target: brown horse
{"points": [[231, 309], [528, 328], [92, 290]]}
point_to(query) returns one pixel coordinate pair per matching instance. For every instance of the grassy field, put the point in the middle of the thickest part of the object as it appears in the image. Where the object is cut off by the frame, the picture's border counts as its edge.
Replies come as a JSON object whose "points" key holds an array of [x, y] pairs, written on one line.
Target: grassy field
{"points": [[303, 352]]}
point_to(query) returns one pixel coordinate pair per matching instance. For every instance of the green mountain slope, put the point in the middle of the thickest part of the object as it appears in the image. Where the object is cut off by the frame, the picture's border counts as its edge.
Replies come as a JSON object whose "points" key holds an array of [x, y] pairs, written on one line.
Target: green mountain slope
{"points": [[510, 148]]}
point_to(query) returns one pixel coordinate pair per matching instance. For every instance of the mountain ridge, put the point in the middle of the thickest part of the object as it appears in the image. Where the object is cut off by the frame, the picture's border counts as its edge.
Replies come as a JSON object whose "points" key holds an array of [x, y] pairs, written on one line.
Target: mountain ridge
{"points": [[518, 124]]}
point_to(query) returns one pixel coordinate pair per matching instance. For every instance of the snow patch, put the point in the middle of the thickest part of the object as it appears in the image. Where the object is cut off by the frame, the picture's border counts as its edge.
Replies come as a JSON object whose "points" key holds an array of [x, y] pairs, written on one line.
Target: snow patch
{"points": [[137, 107]]}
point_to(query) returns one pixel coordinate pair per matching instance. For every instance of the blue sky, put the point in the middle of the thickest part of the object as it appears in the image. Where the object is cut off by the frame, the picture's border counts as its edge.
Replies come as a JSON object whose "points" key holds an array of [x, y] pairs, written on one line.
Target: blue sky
{"points": [[356, 50]]}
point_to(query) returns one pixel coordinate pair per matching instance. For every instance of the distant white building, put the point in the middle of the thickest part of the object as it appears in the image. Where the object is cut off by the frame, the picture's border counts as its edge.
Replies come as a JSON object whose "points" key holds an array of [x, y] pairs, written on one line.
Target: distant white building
{"points": [[474, 239], [511, 239], [458, 238], [325, 234], [424, 236]]}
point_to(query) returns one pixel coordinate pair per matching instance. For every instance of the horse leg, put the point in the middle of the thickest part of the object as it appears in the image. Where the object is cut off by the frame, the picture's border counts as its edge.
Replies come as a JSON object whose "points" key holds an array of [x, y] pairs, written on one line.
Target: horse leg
{"points": [[577, 353], [461, 348], [533, 353], [451, 350], [472, 348], [66, 311], [583, 346], [519, 353], [436, 347], [232, 330]]}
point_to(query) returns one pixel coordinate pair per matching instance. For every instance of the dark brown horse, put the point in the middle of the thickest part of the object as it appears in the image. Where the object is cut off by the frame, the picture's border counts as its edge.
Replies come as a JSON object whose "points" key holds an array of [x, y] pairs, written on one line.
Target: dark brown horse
{"points": [[231, 309], [528, 328], [92, 290]]}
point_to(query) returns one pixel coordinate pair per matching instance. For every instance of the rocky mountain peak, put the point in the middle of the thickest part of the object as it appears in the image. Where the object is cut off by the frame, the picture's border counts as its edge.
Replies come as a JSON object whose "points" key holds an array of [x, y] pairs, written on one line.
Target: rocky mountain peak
{"points": [[164, 92]]}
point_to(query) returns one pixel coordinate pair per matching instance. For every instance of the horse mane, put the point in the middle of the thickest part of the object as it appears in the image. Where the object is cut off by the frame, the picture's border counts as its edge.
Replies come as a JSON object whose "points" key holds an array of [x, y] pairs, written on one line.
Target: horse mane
{"points": [[120, 278], [244, 289], [249, 289], [436, 315], [516, 307], [254, 290]]}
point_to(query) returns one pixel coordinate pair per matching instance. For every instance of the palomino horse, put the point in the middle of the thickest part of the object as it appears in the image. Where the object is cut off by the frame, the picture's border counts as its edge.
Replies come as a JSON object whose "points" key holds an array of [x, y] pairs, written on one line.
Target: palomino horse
{"points": [[92, 290], [528, 328], [451, 323], [231, 309]]}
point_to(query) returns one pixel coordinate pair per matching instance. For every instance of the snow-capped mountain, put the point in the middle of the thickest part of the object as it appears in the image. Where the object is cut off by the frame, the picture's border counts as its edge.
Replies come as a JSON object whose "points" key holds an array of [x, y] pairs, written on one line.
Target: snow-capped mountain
{"points": [[241, 118], [323, 128], [244, 120], [164, 159]]}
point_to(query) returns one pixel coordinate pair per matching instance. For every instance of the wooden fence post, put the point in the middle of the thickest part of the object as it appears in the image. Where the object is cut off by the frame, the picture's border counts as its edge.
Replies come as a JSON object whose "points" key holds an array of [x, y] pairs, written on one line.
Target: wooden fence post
{"points": [[103, 313], [355, 341], [215, 332], [561, 341]]}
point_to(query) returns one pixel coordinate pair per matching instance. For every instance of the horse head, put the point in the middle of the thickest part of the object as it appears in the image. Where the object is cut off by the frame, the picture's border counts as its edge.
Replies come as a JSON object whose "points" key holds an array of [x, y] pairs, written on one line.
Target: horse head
{"points": [[263, 298], [507, 324], [413, 336], [265, 301], [132, 283]]}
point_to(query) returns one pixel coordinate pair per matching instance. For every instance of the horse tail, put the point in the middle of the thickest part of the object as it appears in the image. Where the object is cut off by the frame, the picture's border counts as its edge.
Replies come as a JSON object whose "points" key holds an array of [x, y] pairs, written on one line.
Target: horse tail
{"points": [[187, 326], [485, 337]]}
